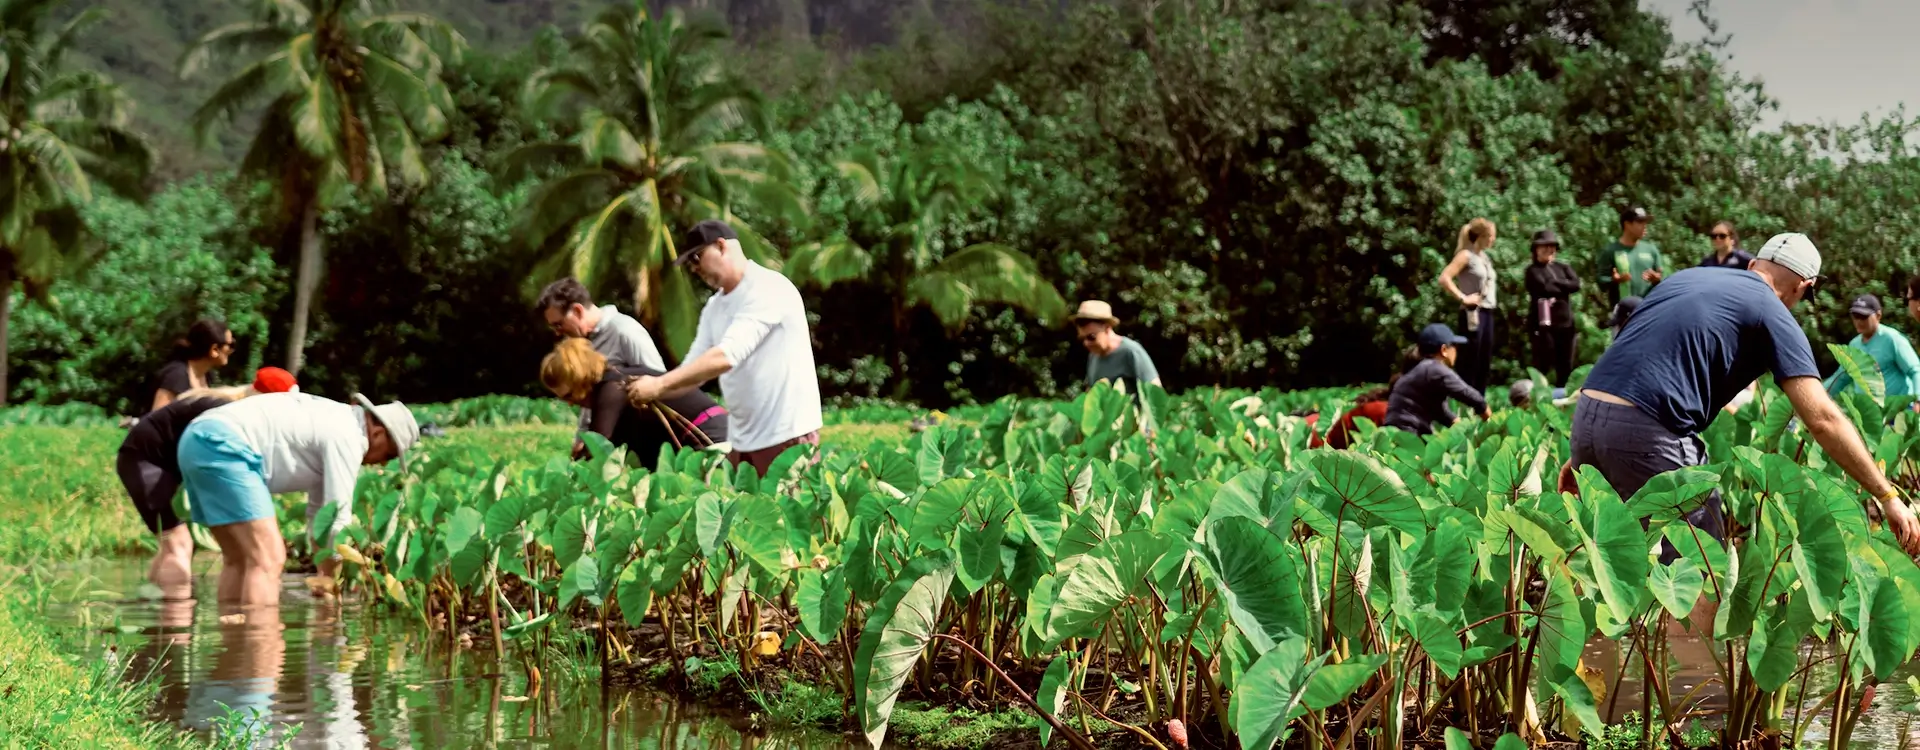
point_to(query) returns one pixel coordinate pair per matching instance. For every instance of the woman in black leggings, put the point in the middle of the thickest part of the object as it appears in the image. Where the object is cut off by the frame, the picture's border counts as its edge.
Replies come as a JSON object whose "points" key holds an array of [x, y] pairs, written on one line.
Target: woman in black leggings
{"points": [[150, 472]]}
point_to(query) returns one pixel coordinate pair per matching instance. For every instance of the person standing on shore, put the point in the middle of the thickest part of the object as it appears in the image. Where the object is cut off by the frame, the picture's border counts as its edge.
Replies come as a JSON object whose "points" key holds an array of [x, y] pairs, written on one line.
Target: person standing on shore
{"points": [[1631, 265], [1696, 342], [1551, 283], [1726, 249], [753, 336], [1470, 279], [206, 347]]}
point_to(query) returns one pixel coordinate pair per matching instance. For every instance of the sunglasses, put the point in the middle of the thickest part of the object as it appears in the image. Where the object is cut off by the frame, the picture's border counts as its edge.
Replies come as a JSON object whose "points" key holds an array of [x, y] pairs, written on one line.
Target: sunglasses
{"points": [[1087, 338], [1721, 236]]}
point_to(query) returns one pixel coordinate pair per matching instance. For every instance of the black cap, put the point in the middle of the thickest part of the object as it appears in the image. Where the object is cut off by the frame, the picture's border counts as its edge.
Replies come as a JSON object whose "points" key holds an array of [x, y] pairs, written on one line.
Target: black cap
{"points": [[1438, 335], [1864, 305], [1635, 214], [1623, 311], [1546, 237], [701, 235]]}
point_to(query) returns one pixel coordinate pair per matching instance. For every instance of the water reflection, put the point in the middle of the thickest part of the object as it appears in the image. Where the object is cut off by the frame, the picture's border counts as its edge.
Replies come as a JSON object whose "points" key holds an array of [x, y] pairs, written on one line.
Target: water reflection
{"points": [[350, 678]]}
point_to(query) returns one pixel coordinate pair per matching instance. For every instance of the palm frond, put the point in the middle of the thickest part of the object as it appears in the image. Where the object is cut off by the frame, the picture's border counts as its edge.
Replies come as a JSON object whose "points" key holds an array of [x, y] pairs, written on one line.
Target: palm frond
{"points": [[533, 159], [55, 47], [997, 273], [563, 201], [232, 40], [827, 263], [440, 37], [315, 115], [57, 167], [864, 180], [604, 138], [410, 94], [265, 77]]}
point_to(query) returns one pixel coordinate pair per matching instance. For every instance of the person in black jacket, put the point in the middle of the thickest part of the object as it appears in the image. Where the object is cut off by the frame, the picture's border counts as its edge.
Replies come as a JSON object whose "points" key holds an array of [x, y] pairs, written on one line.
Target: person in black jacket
{"points": [[1550, 316], [583, 377], [1419, 398]]}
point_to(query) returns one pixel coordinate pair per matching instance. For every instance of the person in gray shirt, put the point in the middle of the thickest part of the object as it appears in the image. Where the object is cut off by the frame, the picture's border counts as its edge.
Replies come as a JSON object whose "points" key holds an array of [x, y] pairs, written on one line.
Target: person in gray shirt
{"points": [[1419, 398], [1111, 356], [569, 312]]}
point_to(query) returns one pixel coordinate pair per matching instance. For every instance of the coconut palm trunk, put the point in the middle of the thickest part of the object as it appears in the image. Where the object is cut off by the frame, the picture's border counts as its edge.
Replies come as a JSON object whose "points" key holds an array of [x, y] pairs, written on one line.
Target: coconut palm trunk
{"points": [[306, 282]]}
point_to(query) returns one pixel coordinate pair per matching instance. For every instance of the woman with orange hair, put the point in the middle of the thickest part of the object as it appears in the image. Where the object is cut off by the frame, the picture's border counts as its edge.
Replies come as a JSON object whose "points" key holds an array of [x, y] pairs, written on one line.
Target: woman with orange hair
{"points": [[580, 376], [1470, 279]]}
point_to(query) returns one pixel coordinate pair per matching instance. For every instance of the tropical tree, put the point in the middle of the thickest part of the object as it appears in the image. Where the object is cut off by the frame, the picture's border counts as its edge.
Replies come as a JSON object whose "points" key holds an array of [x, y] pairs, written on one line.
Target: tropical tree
{"points": [[353, 90], [894, 242], [650, 105], [61, 132]]}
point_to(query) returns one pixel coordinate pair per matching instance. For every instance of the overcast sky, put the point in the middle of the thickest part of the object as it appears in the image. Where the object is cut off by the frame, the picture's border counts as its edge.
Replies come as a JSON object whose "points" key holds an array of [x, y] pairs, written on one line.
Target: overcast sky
{"points": [[1823, 59]]}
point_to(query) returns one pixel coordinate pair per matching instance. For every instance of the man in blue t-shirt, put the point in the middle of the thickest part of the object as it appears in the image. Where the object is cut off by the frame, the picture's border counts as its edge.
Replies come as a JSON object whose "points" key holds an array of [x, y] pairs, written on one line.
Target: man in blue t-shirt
{"points": [[1699, 339]]}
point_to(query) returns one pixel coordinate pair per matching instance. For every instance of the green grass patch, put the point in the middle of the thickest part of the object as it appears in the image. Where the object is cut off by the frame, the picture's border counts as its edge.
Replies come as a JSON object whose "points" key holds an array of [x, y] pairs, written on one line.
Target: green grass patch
{"points": [[53, 701]]}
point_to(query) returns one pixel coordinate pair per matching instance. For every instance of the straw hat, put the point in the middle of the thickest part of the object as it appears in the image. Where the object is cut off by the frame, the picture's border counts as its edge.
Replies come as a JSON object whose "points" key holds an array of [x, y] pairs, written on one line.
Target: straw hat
{"points": [[1095, 310]]}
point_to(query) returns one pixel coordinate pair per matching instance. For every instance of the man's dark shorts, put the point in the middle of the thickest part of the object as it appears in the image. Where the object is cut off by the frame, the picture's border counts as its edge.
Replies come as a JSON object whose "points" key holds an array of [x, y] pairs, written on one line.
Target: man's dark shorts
{"points": [[1629, 448]]}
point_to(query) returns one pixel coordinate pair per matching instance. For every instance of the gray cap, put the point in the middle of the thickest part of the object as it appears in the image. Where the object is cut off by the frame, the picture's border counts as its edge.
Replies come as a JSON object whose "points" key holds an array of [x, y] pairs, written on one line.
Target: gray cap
{"points": [[1864, 305], [1794, 252]]}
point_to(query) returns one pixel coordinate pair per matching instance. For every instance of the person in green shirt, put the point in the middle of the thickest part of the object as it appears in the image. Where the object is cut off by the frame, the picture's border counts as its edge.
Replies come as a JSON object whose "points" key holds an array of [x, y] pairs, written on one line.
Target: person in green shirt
{"points": [[1889, 348], [1111, 356], [1631, 265]]}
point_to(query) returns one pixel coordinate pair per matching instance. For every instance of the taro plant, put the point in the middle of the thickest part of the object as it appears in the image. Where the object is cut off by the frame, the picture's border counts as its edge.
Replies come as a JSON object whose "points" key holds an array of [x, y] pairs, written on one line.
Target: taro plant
{"points": [[1220, 578]]}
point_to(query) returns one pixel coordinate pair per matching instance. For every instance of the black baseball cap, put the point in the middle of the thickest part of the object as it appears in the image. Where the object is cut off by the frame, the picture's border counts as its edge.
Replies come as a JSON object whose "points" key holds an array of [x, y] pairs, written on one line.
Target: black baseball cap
{"points": [[1635, 214], [1864, 305], [1546, 237], [1438, 335], [1623, 311], [701, 235]]}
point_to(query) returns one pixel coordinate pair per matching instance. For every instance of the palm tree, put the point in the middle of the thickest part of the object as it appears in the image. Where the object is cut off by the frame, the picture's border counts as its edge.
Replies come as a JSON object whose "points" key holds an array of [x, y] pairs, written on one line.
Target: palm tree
{"points": [[905, 204], [61, 131], [352, 89], [649, 104]]}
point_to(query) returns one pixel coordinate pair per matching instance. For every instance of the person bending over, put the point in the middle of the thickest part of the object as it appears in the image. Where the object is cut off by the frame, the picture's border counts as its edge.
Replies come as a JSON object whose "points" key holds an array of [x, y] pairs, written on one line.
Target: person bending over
{"points": [[1419, 399], [581, 376]]}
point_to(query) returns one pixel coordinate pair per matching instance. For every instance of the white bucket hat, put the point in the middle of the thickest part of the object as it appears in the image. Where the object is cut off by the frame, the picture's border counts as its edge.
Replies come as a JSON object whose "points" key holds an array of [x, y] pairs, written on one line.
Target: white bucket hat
{"points": [[398, 420]]}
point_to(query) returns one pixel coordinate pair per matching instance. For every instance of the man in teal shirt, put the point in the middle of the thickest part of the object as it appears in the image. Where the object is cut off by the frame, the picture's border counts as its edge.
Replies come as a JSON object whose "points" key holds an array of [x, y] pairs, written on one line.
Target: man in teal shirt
{"points": [[1111, 356], [1890, 350], [1631, 265]]}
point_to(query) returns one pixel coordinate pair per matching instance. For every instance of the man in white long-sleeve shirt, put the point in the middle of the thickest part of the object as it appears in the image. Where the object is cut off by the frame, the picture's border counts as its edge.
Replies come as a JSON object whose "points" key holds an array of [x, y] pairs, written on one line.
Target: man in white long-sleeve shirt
{"points": [[753, 336], [234, 458]]}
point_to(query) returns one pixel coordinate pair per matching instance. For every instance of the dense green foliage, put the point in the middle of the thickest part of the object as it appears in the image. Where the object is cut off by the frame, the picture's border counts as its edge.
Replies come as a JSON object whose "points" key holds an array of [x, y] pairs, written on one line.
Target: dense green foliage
{"points": [[1221, 573], [1267, 191]]}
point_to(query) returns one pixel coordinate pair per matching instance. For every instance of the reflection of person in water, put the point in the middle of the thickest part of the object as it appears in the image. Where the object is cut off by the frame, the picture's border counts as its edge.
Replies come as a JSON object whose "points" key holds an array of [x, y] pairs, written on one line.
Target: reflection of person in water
{"points": [[246, 672]]}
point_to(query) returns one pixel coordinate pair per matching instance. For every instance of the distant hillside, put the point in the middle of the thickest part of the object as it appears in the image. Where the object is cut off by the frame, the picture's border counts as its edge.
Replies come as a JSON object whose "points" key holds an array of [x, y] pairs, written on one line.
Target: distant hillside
{"points": [[140, 42]]}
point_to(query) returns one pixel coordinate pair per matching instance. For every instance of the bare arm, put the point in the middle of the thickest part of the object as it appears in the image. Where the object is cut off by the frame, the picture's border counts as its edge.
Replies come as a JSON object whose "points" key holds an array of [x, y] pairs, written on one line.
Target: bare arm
{"points": [[1835, 434], [691, 374], [1837, 437], [161, 397], [1453, 269]]}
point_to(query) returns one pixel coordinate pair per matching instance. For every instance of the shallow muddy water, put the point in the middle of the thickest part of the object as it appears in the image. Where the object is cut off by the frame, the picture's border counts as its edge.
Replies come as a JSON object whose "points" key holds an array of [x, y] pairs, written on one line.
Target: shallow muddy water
{"points": [[353, 678]]}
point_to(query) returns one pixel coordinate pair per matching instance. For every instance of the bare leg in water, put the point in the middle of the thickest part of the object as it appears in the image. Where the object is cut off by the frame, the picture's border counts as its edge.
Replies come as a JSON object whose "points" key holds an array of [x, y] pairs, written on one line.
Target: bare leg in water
{"points": [[172, 568], [253, 557]]}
